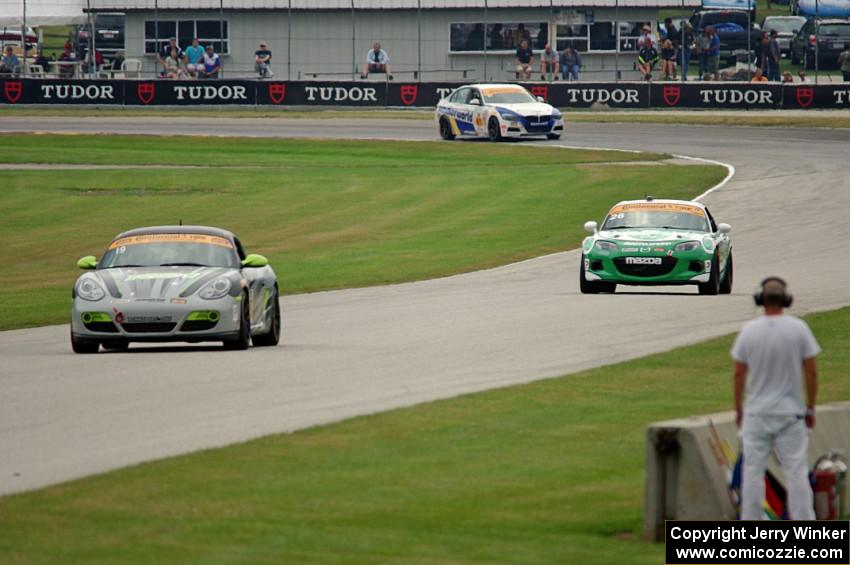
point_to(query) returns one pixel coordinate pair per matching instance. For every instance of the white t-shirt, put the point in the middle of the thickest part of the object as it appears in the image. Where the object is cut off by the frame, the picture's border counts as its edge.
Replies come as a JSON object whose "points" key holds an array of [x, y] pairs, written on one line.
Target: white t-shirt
{"points": [[379, 58], [774, 347]]}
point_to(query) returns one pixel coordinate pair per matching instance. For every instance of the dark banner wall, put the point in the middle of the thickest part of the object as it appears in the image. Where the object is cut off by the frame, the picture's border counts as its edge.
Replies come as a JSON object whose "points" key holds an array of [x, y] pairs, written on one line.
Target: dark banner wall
{"points": [[423, 94]]}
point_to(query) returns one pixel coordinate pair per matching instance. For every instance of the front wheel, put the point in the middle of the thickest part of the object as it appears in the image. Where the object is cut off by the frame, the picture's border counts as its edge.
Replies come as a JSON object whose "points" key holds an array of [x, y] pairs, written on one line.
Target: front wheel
{"points": [[82, 345], [446, 130], [593, 287], [272, 337], [712, 287], [726, 282], [553, 136], [494, 133], [243, 339], [116, 345]]}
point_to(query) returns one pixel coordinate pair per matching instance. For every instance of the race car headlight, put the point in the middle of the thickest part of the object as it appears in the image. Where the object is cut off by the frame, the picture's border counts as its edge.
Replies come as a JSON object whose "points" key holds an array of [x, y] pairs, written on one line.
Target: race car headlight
{"points": [[557, 116], [603, 245], [88, 289], [687, 246], [510, 117], [216, 289]]}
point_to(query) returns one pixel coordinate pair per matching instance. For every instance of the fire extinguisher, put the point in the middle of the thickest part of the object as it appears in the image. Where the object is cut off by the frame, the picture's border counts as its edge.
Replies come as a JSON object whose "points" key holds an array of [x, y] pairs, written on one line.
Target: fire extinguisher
{"points": [[825, 487]]}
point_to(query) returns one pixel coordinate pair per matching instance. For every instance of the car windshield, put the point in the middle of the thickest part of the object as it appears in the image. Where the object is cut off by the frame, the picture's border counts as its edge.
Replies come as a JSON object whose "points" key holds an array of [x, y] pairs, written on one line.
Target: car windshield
{"points": [[506, 96], [842, 30], [170, 249], [722, 18], [783, 25], [652, 215]]}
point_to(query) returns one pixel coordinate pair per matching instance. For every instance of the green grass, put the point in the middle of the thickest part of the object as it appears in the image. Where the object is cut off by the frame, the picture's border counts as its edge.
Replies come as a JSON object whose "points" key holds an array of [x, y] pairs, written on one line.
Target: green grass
{"points": [[328, 214], [550, 472], [812, 119]]}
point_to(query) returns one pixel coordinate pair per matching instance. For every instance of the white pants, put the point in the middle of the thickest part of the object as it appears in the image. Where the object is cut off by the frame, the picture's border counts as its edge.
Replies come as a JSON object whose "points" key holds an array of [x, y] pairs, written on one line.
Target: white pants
{"points": [[789, 435]]}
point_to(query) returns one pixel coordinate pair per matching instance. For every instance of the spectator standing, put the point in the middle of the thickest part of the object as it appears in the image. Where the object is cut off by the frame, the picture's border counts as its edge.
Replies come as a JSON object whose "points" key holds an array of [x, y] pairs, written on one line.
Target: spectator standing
{"points": [[263, 61], [647, 57], [41, 60], [496, 39], [377, 61], [671, 32], [703, 44], [212, 64], [773, 56], [522, 34], [9, 64], [762, 48], [570, 63], [713, 58], [802, 75], [771, 354], [549, 63], [165, 52], [844, 62], [668, 60], [787, 78], [475, 39], [194, 58], [646, 33], [524, 61], [685, 49]]}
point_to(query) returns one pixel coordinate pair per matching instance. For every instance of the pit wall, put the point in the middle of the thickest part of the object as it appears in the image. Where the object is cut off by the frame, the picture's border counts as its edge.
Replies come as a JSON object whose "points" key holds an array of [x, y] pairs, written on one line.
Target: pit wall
{"points": [[415, 94], [686, 475]]}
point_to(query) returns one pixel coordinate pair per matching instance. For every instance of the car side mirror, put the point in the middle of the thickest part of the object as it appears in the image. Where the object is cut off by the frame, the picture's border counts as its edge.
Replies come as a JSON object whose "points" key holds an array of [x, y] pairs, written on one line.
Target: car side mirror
{"points": [[724, 228], [591, 226], [795, 31], [540, 99], [475, 102], [87, 262], [255, 261]]}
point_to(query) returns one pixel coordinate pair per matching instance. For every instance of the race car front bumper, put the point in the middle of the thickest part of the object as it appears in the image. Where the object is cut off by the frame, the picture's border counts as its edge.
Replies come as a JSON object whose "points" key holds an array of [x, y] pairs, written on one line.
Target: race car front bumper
{"points": [[180, 320], [649, 269]]}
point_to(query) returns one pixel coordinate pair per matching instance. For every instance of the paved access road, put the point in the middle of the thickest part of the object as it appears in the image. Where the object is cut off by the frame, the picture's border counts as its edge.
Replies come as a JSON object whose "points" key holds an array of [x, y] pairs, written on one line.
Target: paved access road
{"points": [[358, 351]]}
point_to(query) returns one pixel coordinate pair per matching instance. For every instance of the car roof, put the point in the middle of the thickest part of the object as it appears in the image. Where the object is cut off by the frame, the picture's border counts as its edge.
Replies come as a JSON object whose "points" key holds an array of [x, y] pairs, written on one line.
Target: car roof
{"points": [[785, 18], [201, 230], [663, 201], [834, 21], [494, 85]]}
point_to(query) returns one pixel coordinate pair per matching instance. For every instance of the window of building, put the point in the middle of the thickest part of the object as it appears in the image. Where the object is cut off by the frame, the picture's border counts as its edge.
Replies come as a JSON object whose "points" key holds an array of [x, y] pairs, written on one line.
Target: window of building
{"points": [[599, 36], [208, 32], [471, 37]]}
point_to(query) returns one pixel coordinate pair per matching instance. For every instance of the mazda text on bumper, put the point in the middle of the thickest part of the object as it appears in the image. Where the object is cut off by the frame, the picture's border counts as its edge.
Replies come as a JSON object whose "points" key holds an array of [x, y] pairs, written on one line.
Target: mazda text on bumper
{"points": [[174, 283], [657, 242]]}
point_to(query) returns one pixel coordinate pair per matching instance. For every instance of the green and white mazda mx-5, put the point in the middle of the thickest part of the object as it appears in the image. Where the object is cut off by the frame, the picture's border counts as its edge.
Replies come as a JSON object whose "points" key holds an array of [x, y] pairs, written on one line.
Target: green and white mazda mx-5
{"points": [[657, 242], [175, 283]]}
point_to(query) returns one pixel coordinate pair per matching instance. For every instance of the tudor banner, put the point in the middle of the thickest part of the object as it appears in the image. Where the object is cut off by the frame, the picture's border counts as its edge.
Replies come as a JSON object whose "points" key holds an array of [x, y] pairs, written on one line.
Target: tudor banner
{"points": [[601, 95]]}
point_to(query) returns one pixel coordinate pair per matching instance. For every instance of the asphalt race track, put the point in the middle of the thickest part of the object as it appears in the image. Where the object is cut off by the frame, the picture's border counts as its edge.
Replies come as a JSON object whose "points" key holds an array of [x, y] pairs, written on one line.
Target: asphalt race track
{"points": [[352, 352]]}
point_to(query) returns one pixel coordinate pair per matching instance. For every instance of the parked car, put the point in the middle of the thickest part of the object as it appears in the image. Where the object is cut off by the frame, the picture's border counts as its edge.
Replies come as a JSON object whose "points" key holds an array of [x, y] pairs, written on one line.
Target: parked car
{"points": [[731, 27], [786, 28], [109, 35], [826, 37]]}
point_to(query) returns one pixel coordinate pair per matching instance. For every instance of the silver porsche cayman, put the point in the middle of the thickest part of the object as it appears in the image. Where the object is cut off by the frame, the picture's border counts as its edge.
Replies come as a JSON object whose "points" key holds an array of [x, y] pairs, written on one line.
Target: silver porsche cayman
{"points": [[175, 283]]}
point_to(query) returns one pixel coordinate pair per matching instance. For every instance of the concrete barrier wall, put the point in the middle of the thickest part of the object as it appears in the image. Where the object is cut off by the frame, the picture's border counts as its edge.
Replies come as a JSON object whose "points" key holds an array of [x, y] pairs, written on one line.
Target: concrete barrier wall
{"points": [[685, 478]]}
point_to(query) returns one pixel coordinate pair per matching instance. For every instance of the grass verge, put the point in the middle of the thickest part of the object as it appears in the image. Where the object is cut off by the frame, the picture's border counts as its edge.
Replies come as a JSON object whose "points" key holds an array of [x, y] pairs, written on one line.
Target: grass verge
{"points": [[550, 472], [328, 214]]}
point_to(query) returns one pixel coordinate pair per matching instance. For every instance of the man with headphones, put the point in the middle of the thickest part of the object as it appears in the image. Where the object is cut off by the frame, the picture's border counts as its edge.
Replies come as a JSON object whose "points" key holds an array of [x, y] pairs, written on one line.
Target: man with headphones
{"points": [[771, 354]]}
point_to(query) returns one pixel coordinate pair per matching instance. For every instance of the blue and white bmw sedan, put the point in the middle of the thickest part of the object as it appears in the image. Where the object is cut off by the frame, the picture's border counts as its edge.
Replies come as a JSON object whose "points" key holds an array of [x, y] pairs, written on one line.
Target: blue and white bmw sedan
{"points": [[496, 111]]}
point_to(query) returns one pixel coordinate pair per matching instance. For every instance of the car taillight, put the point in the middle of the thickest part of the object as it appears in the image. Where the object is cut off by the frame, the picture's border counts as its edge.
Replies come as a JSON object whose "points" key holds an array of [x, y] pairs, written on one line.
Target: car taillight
{"points": [[813, 39]]}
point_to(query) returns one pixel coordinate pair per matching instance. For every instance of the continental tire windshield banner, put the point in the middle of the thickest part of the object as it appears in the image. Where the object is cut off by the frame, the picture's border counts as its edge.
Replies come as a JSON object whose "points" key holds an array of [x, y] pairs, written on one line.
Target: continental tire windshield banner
{"points": [[414, 94]]}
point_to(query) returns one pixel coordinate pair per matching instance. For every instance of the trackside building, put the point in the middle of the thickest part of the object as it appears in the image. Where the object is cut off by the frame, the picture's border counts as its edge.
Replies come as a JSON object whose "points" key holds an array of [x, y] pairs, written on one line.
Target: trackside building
{"points": [[427, 40]]}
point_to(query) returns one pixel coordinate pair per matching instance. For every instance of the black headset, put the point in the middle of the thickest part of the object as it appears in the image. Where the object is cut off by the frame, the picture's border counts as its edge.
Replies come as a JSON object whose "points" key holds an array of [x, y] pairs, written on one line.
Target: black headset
{"points": [[787, 298]]}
